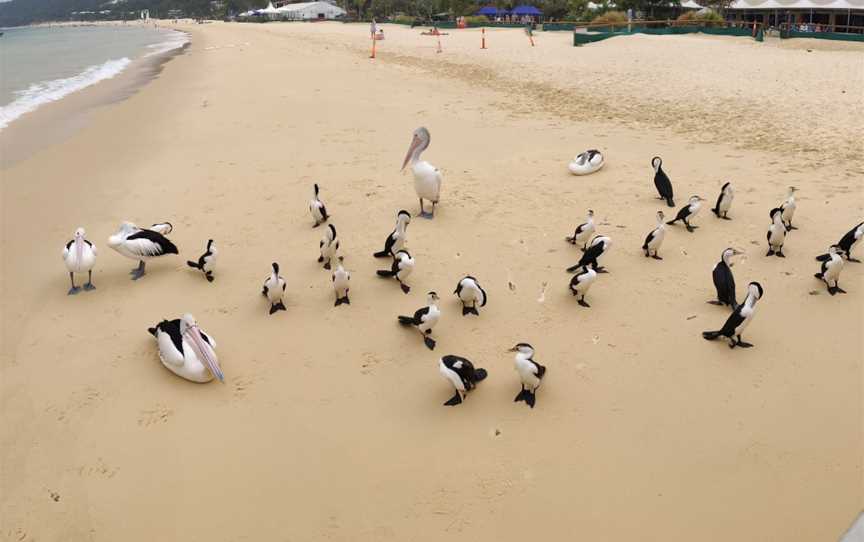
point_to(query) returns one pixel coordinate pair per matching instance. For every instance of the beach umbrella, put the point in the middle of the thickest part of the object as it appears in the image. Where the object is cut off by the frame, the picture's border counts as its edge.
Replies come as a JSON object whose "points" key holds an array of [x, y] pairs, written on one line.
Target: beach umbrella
{"points": [[526, 10]]}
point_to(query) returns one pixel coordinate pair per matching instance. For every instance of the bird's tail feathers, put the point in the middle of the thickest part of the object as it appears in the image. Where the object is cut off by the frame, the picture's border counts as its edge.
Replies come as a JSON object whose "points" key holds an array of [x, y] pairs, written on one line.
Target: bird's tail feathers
{"points": [[710, 335], [382, 254], [193, 265], [823, 258], [406, 320], [385, 273]]}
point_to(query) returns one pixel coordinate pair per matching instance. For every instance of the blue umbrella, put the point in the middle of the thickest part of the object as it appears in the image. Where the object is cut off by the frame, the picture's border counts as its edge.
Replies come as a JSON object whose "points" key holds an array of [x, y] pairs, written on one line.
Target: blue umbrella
{"points": [[526, 10], [491, 11]]}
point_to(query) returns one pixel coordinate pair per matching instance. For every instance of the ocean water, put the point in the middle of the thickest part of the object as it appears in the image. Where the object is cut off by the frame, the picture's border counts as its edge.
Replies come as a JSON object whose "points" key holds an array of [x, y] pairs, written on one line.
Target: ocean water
{"points": [[40, 65]]}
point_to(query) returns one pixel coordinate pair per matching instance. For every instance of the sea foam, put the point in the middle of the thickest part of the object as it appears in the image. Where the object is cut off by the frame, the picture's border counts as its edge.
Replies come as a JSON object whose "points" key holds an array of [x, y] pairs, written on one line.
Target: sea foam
{"points": [[39, 94]]}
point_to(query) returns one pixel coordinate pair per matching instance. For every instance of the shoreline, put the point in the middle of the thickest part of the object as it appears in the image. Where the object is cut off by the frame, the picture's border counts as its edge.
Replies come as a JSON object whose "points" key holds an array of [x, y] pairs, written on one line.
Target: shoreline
{"points": [[640, 422], [56, 121]]}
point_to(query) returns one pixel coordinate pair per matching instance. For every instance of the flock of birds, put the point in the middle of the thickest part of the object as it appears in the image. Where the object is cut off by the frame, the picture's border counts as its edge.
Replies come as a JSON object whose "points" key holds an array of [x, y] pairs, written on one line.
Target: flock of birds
{"points": [[189, 352]]}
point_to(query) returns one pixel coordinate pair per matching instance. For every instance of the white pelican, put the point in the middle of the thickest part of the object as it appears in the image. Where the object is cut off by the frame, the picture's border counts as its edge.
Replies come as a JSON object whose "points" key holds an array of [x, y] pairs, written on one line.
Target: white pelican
{"points": [[427, 178], [587, 162], [140, 244], [79, 255], [186, 350]]}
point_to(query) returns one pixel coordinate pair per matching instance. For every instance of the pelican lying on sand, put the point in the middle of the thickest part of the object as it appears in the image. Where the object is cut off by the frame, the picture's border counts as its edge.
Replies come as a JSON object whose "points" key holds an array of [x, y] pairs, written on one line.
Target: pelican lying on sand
{"points": [[186, 350], [587, 162], [140, 244]]}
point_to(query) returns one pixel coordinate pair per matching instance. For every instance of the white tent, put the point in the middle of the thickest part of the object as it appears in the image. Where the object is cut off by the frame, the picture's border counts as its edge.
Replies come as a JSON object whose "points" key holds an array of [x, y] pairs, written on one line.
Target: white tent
{"points": [[690, 4], [311, 10]]}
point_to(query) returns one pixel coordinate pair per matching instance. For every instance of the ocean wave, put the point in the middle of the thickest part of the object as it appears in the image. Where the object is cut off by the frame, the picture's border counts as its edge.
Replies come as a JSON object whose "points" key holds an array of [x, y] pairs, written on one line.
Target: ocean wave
{"points": [[39, 94], [175, 40]]}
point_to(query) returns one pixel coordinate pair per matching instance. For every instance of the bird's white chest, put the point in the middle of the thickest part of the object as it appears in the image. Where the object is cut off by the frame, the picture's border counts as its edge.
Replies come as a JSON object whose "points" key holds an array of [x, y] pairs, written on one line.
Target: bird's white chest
{"points": [[469, 292], [340, 281], [832, 270], [586, 232], [777, 234], [406, 267], [584, 282], [430, 319], [657, 237], [315, 208], [274, 289], [726, 201], [525, 369], [789, 210], [747, 313], [328, 248], [427, 180], [84, 263]]}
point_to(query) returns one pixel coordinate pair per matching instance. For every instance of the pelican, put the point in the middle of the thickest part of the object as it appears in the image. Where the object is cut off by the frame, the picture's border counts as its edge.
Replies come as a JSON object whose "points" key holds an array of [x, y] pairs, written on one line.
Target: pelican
{"points": [[140, 244], [586, 163], [186, 350], [79, 255], [427, 178]]}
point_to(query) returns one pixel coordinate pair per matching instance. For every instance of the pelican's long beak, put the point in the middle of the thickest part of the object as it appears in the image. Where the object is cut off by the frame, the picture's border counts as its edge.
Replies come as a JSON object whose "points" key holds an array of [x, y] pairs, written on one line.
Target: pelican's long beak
{"points": [[205, 352], [415, 142]]}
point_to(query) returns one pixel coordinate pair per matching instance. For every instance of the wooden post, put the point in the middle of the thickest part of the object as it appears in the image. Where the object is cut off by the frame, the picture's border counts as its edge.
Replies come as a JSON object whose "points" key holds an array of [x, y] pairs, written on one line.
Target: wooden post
{"points": [[373, 47], [439, 43], [483, 38]]}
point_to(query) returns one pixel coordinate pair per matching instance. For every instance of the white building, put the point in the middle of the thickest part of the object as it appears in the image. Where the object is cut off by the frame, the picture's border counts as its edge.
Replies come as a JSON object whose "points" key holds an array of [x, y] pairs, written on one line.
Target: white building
{"points": [[305, 11], [834, 15]]}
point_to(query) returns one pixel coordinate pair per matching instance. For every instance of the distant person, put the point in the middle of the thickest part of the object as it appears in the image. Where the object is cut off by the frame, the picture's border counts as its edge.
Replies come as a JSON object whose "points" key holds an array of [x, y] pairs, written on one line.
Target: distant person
{"points": [[373, 28]]}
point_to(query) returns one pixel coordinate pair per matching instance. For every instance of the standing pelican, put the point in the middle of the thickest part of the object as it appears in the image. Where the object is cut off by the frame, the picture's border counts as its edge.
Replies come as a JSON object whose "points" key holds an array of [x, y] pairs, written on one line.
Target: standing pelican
{"points": [[427, 178], [79, 255], [140, 244], [186, 350], [662, 182], [788, 207]]}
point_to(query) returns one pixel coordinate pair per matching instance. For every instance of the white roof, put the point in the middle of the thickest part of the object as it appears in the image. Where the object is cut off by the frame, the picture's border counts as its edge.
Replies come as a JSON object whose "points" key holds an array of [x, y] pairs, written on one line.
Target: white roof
{"points": [[690, 4], [307, 5], [269, 9], [798, 4]]}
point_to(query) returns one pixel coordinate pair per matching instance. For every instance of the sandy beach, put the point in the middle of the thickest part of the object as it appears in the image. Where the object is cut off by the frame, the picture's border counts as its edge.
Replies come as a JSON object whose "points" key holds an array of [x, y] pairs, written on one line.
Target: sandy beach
{"points": [[330, 424]]}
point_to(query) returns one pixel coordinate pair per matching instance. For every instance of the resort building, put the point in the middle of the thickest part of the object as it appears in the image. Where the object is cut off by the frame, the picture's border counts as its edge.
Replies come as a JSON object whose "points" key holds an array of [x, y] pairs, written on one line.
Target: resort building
{"points": [[802, 15]]}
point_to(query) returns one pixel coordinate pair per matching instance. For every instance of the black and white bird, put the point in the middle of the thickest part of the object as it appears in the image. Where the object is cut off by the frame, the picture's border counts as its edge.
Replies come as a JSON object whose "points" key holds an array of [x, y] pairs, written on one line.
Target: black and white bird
{"points": [[739, 319], [427, 178], [788, 207], [776, 233], [425, 319], [79, 255], [398, 237], [328, 246], [403, 266], [583, 232], [724, 281], [142, 244], [341, 279], [599, 247], [849, 241], [662, 182], [206, 262], [530, 372], [471, 294], [830, 272], [724, 201], [186, 350], [581, 282], [688, 213], [274, 289], [317, 209], [461, 373], [655, 238]]}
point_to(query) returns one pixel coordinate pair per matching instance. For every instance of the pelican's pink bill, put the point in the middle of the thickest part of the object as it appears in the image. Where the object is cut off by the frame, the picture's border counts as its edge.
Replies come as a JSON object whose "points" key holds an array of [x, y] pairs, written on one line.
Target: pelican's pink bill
{"points": [[415, 142], [205, 352]]}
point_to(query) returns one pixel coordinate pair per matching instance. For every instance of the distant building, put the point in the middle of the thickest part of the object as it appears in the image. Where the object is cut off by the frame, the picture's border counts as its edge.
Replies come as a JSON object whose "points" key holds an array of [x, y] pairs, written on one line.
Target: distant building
{"points": [[305, 11], [807, 15]]}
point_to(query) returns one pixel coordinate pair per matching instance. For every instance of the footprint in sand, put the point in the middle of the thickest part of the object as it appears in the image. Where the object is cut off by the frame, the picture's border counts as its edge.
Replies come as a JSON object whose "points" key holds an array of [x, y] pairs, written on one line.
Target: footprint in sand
{"points": [[159, 414]]}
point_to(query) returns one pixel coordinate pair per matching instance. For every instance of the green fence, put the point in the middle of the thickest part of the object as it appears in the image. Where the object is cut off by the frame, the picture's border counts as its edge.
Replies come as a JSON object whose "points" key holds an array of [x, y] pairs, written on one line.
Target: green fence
{"points": [[840, 36], [600, 33]]}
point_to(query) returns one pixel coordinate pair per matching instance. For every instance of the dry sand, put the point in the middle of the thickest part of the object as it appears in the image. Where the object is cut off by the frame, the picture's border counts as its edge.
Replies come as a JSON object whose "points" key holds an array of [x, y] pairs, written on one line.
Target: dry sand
{"points": [[330, 424]]}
